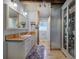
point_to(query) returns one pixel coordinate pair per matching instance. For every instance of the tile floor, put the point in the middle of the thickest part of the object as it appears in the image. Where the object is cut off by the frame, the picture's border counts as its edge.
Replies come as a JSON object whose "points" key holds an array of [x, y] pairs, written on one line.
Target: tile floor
{"points": [[52, 54], [56, 54]]}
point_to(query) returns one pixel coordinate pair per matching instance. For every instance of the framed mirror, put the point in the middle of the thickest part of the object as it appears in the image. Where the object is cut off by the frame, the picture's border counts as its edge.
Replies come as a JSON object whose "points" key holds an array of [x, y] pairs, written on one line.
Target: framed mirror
{"points": [[22, 21], [12, 19]]}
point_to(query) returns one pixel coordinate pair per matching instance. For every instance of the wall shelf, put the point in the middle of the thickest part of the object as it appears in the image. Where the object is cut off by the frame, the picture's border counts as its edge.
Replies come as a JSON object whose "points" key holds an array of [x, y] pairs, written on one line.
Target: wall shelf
{"points": [[68, 28]]}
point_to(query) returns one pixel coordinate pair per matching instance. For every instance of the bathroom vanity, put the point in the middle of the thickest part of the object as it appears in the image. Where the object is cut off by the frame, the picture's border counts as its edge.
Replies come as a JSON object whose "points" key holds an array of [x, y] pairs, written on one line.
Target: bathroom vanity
{"points": [[19, 47], [18, 41]]}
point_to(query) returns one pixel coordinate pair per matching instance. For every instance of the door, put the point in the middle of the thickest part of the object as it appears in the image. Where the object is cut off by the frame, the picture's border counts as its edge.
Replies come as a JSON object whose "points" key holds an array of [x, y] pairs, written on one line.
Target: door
{"points": [[44, 32]]}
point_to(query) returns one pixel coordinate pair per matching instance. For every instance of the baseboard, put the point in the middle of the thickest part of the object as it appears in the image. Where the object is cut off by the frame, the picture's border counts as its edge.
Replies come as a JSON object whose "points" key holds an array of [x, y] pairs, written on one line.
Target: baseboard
{"points": [[55, 49], [63, 53]]}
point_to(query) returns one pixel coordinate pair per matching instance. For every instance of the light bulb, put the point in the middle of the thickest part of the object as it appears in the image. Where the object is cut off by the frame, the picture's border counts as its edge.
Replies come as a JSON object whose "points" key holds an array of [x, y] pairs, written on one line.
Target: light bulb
{"points": [[25, 13], [15, 5]]}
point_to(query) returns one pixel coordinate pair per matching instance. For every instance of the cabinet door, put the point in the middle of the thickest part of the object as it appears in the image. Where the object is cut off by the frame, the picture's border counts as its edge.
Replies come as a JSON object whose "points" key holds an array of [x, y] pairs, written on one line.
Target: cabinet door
{"points": [[71, 29], [21, 50], [65, 27], [26, 46], [15, 50]]}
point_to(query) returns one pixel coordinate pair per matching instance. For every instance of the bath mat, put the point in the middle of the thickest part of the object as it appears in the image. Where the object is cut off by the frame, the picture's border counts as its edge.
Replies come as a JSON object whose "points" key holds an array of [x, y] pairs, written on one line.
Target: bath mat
{"points": [[37, 52]]}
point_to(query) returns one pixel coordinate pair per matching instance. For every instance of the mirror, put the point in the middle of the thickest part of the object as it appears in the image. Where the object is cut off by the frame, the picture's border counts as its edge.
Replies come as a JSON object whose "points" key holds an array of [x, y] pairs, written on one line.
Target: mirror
{"points": [[22, 21], [15, 20], [12, 21]]}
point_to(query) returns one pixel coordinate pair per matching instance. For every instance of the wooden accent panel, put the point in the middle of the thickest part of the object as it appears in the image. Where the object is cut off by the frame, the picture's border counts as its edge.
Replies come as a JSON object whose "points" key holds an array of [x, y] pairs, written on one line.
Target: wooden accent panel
{"points": [[37, 0], [13, 37], [51, 1], [28, 33], [57, 1], [55, 49], [17, 37], [23, 33]]}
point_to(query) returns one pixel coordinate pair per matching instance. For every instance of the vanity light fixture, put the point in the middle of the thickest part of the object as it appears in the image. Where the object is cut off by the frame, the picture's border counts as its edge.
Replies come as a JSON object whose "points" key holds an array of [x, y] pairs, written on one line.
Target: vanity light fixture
{"points": [[43, 4], [15, 4], [24, 13]]}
